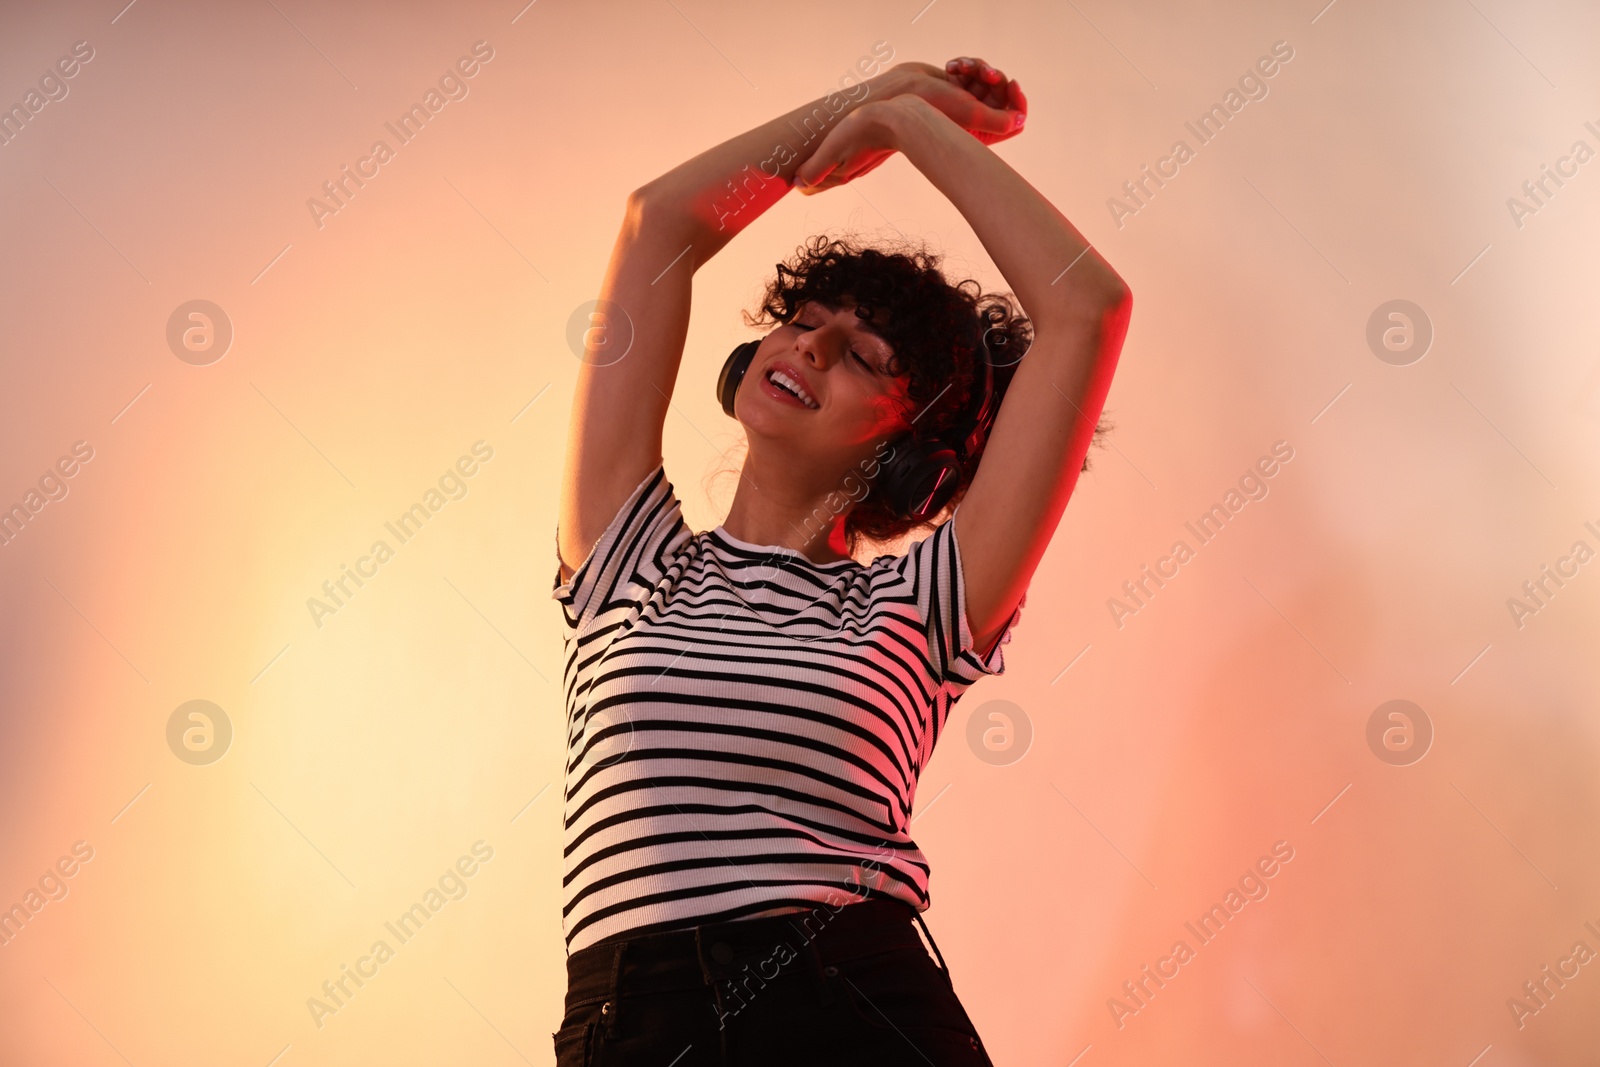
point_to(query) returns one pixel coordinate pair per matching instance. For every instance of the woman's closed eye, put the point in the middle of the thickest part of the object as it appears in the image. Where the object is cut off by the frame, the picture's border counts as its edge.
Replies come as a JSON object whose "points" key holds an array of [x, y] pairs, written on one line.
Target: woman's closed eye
{"points": [[853, 352]]}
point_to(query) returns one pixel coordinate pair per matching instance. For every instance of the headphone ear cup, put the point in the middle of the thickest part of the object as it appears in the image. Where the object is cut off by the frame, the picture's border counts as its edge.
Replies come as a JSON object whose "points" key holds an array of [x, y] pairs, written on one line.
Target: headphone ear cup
{"points": [[919, 480], [983, 418], [733, 371]]}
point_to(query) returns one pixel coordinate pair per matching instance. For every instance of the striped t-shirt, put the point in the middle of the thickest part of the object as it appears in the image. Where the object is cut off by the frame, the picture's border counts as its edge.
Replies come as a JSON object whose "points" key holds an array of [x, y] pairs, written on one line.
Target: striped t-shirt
{"points": [[745, 727]]}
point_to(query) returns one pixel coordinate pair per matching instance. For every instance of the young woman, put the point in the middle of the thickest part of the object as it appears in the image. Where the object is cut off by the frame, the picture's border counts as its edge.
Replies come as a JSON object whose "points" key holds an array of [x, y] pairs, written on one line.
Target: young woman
{"points": [[748, 708]]}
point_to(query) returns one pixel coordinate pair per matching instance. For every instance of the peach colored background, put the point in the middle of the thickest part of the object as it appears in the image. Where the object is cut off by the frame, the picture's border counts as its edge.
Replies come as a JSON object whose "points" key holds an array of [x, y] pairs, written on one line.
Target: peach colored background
{"points": [[425, 715]]}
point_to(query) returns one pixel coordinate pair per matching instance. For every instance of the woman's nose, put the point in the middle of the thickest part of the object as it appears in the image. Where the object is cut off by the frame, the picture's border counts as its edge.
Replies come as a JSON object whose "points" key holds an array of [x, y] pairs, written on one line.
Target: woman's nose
{"points": [[815, 347]]}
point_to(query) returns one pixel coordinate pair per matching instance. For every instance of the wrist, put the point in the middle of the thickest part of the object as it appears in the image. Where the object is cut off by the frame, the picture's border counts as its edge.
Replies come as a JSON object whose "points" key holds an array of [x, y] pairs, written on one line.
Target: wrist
{"points": [[894, 82], [906, 114]]}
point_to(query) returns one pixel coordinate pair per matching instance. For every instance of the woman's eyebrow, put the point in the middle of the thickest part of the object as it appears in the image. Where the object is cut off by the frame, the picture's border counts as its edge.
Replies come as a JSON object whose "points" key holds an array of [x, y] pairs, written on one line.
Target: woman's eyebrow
{"points": [[866, 324]]}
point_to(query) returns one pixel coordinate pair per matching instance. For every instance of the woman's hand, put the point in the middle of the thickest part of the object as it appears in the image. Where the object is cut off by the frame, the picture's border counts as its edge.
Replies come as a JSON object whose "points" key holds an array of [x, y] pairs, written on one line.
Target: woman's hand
{"points": [[856, 144], [977, 97]]}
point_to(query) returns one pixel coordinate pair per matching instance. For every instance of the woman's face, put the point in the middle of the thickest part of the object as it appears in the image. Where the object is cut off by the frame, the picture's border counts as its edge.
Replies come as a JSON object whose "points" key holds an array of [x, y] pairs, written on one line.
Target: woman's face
{"points": [[840, 363]]}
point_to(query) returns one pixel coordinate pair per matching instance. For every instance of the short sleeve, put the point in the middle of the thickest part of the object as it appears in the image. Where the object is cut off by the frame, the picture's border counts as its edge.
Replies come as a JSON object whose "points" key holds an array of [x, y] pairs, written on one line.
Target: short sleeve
{"points": [[630, 559], [934, 567]]}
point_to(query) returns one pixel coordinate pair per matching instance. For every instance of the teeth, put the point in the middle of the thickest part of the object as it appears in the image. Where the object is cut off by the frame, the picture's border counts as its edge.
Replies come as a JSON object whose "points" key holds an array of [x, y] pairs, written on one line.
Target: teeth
{"points": [[793, 386]]}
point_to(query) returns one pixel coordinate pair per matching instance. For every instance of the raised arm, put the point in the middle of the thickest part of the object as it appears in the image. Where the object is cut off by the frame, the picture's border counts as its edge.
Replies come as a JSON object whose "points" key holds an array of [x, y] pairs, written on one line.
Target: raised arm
{"points": [[672, 225], [1079, 308]]}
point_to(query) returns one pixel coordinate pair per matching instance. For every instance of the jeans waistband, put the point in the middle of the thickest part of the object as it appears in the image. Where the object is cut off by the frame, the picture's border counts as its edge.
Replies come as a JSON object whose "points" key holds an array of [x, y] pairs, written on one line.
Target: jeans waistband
{"points": [[700, 956]]}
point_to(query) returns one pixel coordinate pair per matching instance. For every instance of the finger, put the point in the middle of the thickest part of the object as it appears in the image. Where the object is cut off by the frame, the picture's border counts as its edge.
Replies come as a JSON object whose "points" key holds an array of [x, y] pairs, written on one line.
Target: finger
{"points": [[834, 179], [989, 74], [861, 164], [981, 90], [873, 162], [874, 165], [994, 96], [999, 92], [811, 176], [1015, 99], [986, 119]]}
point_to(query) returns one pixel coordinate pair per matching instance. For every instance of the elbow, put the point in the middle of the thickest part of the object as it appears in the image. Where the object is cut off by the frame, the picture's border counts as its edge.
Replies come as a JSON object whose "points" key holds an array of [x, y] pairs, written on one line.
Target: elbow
{"points": [[1115, 313], [1107, 297], [1104, 303], [1111, 292], [644, 196], [649, 210], [642, 203], [1096, 290], [1119, 301]]}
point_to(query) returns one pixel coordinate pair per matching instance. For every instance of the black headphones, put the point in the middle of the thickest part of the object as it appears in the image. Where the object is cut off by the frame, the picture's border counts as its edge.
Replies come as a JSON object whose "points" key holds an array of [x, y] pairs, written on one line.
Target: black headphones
{"points": [[917, 478]]}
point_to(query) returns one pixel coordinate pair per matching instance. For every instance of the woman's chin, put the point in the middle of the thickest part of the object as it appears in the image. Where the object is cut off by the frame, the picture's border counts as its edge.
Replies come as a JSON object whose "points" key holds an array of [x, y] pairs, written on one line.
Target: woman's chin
{"points": [[777, 425]]}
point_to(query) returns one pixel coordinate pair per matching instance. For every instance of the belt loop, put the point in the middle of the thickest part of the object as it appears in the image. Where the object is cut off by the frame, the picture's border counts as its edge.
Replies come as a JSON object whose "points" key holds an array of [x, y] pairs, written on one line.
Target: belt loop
{"points": [[917, 915], [700, 952], [713, 982], [612, 1008]]}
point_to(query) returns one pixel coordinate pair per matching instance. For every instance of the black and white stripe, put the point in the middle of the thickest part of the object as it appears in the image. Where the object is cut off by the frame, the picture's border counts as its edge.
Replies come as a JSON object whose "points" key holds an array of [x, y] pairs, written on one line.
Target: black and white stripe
{"points": [[745, 727]]}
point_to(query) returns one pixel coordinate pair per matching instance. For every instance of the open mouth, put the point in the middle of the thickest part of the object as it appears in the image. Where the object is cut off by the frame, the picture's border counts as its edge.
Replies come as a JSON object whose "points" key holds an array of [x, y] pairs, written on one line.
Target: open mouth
{"points": [[786, 386]]}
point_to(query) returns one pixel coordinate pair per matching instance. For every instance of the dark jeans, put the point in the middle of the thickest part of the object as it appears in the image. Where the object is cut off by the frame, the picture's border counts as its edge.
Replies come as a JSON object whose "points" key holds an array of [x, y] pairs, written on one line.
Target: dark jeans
{"points": [[836, 985]]}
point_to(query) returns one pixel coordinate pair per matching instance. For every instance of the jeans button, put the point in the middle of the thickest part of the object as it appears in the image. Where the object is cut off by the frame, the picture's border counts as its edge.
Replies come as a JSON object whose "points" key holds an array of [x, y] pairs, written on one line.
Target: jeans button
{"points": [[831, 971], [722, 952]]}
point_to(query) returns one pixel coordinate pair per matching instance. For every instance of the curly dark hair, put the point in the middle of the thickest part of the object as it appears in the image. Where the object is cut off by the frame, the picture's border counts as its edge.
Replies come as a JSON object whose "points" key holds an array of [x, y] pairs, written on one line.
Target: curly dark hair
{"points": [[938, 332]]}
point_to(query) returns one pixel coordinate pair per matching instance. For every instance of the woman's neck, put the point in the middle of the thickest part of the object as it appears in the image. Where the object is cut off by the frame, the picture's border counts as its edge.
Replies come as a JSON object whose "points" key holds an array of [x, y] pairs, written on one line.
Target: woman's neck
{"points": [[806, 536]]}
